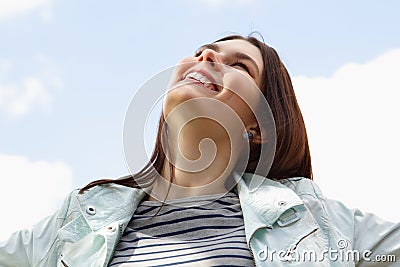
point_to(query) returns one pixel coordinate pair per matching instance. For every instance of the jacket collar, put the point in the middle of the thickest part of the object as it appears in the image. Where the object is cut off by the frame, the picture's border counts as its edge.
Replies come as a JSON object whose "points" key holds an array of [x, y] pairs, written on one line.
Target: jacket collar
{"points": [[109, 203], [263, 201]]}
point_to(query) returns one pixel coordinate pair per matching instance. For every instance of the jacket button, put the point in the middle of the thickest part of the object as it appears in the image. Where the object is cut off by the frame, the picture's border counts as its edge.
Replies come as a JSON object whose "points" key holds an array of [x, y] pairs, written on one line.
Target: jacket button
{"points": [[281, 203], [91, 210], [111, 228]]}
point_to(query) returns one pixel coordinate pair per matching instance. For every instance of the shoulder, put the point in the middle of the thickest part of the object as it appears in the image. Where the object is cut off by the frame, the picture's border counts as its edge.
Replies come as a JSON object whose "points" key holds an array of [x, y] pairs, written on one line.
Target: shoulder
{"points": [[303, 187], [107, 196], [328, 212], [109, 190], [316, 201]]}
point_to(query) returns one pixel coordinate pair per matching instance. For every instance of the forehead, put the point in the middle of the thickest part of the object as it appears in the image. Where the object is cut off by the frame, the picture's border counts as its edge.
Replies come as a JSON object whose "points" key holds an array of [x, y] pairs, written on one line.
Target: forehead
{"points": [[243, 46]]}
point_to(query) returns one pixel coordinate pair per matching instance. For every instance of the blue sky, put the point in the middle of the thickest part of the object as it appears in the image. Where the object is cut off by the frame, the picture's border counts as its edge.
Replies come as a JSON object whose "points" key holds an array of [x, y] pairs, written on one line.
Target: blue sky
{"points": [[68, 70]]}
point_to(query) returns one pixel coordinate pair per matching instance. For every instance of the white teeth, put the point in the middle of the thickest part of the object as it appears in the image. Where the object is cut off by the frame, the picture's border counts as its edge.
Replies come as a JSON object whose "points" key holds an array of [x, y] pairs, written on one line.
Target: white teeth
{"points": [[199, 77]]}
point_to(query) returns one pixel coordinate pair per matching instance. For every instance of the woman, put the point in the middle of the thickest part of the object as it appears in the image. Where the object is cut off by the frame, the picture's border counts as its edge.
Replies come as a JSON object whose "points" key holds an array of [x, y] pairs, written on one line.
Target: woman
{"points": [[208, 203]]}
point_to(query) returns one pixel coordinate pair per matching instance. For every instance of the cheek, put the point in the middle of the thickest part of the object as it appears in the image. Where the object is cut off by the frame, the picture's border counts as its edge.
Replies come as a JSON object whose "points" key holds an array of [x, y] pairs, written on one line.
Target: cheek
{"points": [[242, 95], [241, 108], [184, 64], [180, 68], [176, 96]]}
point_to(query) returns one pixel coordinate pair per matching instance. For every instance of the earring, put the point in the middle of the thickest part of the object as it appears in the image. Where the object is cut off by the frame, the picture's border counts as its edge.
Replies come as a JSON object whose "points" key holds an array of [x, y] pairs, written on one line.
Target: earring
{"points": [[248, 135]]}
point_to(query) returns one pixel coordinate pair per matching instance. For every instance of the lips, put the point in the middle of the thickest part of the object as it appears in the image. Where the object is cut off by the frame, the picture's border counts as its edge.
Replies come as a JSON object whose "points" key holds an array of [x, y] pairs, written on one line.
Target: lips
{"points": [[204, 78]]}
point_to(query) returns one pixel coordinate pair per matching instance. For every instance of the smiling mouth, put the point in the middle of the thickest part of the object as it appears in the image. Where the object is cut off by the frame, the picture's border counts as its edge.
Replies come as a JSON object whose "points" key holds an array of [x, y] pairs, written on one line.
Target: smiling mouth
{"points": [[197, 76]]}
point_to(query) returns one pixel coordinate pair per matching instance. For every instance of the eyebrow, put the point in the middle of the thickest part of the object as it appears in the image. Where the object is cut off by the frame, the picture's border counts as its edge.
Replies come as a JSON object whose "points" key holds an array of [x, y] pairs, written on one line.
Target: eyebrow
{"points": [[239, 55]]}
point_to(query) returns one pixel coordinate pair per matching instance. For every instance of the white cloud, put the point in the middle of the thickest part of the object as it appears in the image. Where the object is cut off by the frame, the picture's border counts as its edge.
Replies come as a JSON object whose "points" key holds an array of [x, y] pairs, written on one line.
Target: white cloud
{"points": [[12, 8], [353, 127], [19, 101], [19, 97], [30, 191]]}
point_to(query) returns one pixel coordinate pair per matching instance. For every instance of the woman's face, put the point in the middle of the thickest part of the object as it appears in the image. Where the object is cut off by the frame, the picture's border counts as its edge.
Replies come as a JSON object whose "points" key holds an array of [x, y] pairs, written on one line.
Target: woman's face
{"points": [[226, 72]]}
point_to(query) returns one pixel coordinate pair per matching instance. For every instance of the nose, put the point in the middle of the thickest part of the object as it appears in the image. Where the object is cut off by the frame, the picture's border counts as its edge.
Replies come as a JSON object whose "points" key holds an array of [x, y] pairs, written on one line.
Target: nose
{"points": [[210, 56]]}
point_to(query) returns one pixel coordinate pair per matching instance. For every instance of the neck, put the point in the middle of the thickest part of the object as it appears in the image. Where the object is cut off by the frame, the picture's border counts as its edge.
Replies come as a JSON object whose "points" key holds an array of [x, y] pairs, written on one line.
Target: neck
{"points": [[203, 161]]}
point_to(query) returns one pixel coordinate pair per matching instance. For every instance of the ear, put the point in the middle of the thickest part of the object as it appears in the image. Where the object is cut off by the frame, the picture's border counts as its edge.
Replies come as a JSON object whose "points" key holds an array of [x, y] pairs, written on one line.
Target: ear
{"points": [[259, 135]]}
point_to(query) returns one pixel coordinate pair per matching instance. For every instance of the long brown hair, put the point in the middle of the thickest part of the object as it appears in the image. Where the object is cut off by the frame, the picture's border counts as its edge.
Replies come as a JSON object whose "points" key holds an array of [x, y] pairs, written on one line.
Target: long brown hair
{"points": [[292, 155]]}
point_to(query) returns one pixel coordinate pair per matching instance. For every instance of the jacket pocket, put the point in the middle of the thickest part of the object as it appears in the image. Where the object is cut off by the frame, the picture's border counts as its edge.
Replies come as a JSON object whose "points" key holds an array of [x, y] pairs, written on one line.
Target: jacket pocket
{"points": [[62, 263], [310, 249], [301, 243], [89, 251]]}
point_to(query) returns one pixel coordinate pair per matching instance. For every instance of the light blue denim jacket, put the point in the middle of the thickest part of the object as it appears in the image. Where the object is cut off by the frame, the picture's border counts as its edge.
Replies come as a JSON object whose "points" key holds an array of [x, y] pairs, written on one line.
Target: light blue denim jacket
{"points": [[287, 223]]}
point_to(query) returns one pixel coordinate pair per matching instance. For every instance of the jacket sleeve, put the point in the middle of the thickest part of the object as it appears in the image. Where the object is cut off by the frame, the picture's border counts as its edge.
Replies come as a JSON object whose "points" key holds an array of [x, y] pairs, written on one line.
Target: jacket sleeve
{"points": [[377, 241], [29, 246]]}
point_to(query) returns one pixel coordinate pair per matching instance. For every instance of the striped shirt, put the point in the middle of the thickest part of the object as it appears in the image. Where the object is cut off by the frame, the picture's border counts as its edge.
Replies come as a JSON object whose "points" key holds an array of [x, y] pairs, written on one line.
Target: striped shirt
{"points": [[195, 231]]}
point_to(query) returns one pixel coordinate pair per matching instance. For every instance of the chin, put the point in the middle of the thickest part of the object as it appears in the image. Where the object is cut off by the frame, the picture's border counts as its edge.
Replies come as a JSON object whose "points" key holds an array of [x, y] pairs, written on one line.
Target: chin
{"points": [[182, 94]]}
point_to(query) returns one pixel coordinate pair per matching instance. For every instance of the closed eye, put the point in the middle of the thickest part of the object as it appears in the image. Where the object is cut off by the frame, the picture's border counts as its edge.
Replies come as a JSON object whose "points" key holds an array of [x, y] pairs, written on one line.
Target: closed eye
{"points": [[242, 65], [238, 58]]}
